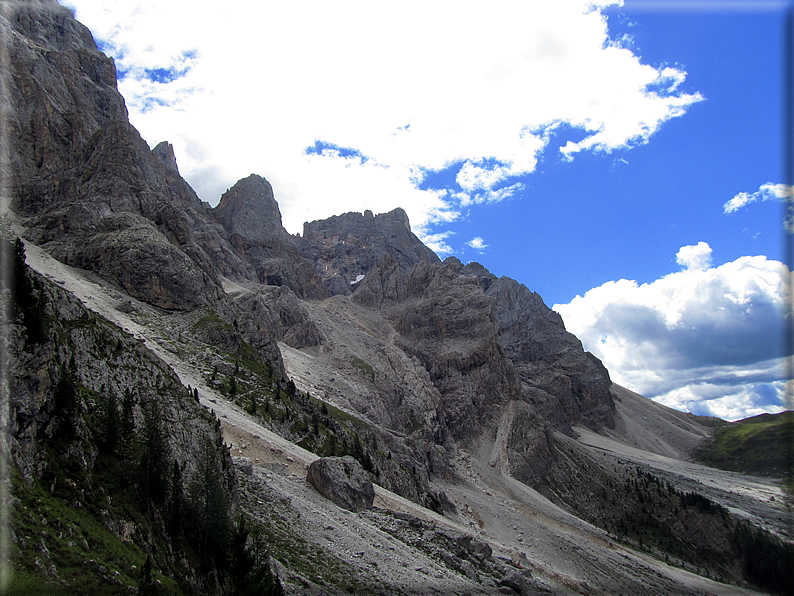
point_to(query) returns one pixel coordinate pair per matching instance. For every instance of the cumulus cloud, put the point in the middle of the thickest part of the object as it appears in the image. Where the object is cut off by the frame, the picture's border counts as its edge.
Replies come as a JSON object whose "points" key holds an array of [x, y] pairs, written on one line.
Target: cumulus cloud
{"points": [[705, 339], [767, 192], [414, 87], [438, 243], [477, 244], [694, 258]]}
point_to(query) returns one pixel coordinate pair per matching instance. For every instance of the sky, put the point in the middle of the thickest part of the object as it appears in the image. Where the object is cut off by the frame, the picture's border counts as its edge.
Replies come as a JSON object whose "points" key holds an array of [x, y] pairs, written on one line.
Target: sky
{"points": [[625, 160]]}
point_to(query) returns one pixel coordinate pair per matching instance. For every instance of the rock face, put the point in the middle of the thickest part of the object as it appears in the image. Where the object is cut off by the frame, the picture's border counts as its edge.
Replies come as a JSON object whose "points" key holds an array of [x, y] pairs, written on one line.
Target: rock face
{"points": [[573, 384], [95, 196], [251, 217], [343, 481], [447, 322], [92, 192], [345, 247]]}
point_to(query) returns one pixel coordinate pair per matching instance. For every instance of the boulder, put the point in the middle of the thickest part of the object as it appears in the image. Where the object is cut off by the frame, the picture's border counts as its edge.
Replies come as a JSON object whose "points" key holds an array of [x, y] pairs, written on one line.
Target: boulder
{"points": [[343, 481]]}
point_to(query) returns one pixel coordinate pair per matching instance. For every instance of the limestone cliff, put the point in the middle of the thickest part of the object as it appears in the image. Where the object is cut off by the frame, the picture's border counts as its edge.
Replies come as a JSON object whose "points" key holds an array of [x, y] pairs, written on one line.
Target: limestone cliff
{"points": [[345, 247], [92, 192], [251, 218], [568, 385]]}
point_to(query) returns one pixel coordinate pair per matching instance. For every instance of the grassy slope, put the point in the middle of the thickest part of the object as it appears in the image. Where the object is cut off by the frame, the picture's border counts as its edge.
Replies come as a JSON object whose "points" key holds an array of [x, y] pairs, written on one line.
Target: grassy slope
{"points": [[762, 445]]}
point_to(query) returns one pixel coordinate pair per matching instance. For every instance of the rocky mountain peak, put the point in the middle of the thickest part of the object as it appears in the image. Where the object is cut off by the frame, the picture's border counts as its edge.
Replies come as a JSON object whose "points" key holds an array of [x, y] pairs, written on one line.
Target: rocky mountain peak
{"points": [[345, 247], [165, 153], [397, 216], [249, 209], [46, 22]]}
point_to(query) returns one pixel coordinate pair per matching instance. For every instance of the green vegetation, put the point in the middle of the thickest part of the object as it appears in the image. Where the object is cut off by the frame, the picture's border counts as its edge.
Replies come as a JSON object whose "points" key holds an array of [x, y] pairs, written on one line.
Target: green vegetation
{"points": [[210, 320], [106, 508], [364, 367], [681, 527], [71, 542], [762, 445], [309, 560]]}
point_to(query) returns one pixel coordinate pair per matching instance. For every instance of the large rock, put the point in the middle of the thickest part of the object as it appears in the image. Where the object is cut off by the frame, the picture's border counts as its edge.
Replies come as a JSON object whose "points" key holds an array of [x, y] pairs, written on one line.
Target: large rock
{"points": [[343, 481]]}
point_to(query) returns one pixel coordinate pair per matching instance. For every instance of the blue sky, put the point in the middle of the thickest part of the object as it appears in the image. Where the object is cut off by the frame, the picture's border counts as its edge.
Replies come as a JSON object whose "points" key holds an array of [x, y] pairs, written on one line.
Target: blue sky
{"points": [[623, 160]]}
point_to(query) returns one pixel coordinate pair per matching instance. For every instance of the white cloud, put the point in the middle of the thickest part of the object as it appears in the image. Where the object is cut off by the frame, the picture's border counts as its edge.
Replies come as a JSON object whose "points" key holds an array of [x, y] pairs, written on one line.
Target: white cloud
{"points": [[706, 337], [694, 258], [414, 86], [766, 192], [477, 244], [437, 243]]}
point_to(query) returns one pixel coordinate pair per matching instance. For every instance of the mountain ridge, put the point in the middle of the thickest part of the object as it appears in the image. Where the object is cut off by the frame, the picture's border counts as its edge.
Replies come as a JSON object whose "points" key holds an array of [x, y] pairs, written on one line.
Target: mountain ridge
{"points": [[453, 388]]}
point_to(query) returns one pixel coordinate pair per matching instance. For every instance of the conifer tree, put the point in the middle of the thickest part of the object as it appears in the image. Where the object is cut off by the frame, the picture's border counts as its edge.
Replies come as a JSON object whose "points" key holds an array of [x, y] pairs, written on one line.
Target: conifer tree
{"points": [[127, 435], [249, 569], [175, 508], [111, 423], [210, 505], [232, 386], [146, 584], [28, 300], [153, 470]]}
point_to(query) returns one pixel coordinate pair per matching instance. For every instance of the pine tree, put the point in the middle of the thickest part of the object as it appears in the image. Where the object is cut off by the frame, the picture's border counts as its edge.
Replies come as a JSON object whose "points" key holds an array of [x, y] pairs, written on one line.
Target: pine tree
{"points": [[127, 435], [65, 400], [249, 569], [28, 299], [210, 505], [175, 508], [146, 584], [111, 423], [153, 470]]}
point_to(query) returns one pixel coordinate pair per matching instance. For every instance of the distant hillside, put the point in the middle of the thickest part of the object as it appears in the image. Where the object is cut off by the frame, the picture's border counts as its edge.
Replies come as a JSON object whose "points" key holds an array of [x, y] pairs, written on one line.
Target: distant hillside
{"points": [[761, 445]]}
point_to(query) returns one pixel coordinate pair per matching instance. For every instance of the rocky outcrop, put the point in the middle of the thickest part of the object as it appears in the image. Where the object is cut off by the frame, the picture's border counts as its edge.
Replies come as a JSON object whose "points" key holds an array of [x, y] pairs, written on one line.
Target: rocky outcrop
{"points": [[343, 481], [568, 385], [251, 218], [447, 322], [58, 391], [278, 311], [345, 247]]}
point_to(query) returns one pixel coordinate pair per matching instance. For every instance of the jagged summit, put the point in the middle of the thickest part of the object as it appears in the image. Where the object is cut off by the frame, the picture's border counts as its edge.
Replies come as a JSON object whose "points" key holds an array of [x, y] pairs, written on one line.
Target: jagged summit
{"points": [[249, 210], [345, 247], [165, 152]]}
